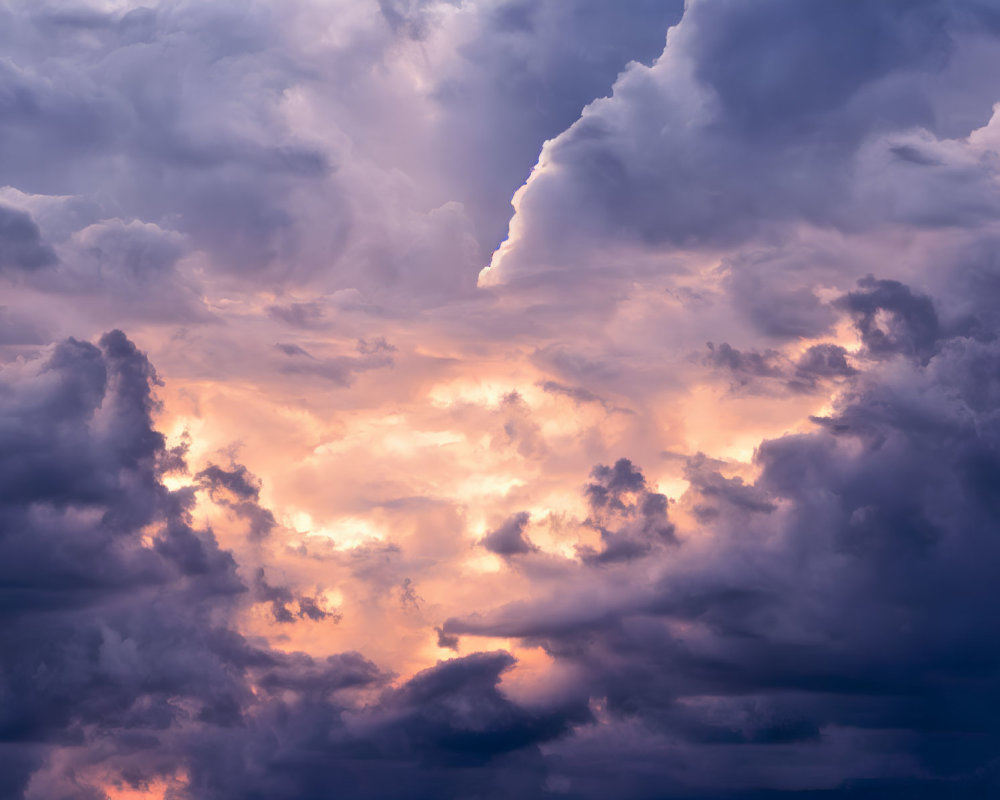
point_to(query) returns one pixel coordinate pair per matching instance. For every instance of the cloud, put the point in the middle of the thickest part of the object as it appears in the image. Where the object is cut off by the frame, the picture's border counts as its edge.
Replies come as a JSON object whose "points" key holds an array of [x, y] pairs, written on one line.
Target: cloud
{"points": [[21, 245], [509, 539], [774, 372], [298, 315], [119, 646], [339, 370], [448, 730], [107, 587], [911, 322], [381, 158], [730, 134], [821, 610], [240, 491], [16, 329], [631, 519], [522, 77], [280, 597], [790, 596]]}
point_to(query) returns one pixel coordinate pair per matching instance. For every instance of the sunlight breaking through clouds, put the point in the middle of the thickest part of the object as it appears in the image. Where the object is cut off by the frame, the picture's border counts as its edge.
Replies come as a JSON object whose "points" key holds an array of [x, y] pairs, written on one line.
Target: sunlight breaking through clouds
{"points": [[430, 399]]}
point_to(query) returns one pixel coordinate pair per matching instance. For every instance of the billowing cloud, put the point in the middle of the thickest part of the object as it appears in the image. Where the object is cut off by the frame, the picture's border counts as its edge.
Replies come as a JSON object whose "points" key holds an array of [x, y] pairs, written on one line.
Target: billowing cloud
{"points": [[692, 495], [816, 618], [755, 121], [118, 641], [509, 539]]}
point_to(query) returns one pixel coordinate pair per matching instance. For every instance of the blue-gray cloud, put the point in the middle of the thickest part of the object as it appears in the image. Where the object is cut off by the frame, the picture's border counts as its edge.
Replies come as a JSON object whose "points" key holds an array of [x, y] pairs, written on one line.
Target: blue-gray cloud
{"points": [[21, 244], [842, 607], [116, 641], [757, 119]]}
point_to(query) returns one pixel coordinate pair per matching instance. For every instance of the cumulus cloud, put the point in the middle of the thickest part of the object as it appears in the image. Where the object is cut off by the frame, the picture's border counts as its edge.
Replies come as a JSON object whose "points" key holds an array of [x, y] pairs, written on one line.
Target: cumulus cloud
{"points": [[118, 637], [381, 157], [722, 140], [911, 323], [280, 597], [772, 371], [104, 575], [823, 609]]}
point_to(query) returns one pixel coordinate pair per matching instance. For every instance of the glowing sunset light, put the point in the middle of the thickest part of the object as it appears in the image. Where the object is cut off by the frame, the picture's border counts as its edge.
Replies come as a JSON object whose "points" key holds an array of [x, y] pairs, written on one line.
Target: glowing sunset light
{"points": [[501, 399]]}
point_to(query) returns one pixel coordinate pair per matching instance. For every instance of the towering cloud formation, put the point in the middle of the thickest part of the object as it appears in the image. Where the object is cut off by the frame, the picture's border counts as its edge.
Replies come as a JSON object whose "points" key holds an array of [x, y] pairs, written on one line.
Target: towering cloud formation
{"points": [[108, 592]]}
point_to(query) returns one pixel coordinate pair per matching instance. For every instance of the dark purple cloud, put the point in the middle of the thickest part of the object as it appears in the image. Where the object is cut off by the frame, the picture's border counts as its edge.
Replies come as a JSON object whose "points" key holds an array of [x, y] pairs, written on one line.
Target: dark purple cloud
{"points": [[102, 630], [116, 640], [911, 323], [631, 519], [843, 609], [755, 121], [339, 370], [240, 490], [773, 372], [821, 623]]}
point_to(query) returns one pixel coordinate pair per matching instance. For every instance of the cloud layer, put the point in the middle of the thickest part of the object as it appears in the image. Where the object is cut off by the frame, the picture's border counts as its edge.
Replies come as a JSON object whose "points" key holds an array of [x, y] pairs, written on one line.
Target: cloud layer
{"points": [[688, 490]]}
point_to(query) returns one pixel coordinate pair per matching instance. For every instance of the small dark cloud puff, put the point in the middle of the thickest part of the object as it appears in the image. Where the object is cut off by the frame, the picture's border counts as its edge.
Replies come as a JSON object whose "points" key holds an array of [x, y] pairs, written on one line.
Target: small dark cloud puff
{"points": [[892, 319], [280, 598], [509, 538], [446, 640], [299, 315], [746, 365], [577, 394], [339, 370], [771, 371], [22, 248], [714, 489]]}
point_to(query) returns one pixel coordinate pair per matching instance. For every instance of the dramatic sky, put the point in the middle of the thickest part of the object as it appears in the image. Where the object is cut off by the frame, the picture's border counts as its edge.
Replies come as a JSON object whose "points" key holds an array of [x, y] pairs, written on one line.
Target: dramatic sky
{"points": [[487, 399]]}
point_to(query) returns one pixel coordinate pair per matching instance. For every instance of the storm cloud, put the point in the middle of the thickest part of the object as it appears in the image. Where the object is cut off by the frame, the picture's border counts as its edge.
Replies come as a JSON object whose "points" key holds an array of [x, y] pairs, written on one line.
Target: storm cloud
{"points": [[826, 614], [689, 490]]}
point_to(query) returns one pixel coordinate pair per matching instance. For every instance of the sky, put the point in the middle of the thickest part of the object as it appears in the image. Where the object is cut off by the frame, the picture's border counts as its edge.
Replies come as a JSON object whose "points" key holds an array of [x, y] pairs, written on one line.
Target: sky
{"points": [[538, 399]]}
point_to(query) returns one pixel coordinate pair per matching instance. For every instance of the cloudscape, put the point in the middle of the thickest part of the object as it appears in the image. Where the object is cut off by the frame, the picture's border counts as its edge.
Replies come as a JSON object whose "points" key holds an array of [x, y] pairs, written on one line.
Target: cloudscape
{"points": [[564, 399]]}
